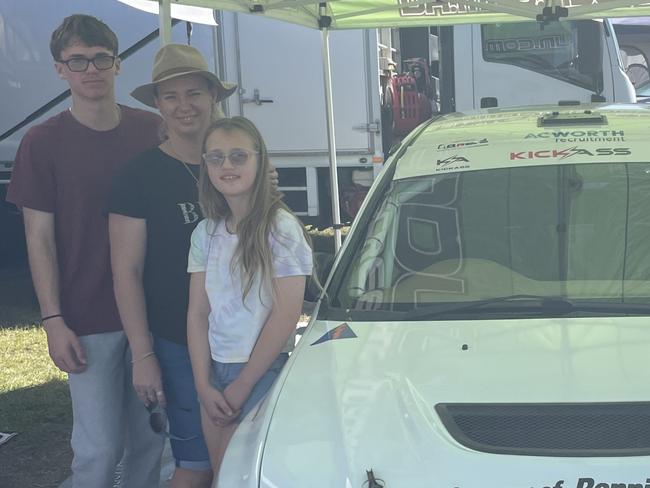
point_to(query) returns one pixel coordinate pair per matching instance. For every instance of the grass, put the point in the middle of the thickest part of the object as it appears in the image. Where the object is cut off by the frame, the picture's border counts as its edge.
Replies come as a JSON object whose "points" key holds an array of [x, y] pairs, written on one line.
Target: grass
{"points": [[26, 367], [34, 401]]}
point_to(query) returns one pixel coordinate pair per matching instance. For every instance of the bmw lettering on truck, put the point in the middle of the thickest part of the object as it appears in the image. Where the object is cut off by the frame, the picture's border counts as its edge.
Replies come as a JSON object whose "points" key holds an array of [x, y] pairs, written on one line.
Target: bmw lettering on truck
{"points": [[483, 326]]}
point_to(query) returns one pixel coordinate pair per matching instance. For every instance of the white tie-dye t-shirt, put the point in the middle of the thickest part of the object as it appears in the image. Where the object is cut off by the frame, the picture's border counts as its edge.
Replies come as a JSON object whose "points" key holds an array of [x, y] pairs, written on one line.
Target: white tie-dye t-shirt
{"points": [[234, 326]]}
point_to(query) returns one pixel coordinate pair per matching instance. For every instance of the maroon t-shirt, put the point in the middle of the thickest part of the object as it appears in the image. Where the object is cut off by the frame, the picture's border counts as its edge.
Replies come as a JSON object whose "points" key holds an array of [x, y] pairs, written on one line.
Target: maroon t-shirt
{"points": [[66, 168]]}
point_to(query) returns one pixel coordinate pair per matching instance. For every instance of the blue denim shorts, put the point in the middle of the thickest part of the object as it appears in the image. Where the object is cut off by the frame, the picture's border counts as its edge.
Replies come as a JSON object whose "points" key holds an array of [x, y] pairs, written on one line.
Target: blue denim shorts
{"points": [[225, 373], [183, 410]]}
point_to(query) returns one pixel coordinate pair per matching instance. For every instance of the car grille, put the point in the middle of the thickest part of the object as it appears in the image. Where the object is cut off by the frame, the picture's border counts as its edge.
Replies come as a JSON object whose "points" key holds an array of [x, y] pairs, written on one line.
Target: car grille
{"points": [[564, 429]]}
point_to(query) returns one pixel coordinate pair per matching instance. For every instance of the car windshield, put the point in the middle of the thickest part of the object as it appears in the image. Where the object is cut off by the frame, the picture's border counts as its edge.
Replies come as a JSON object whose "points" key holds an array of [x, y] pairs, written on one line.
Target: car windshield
{"points": [[578, 234]]}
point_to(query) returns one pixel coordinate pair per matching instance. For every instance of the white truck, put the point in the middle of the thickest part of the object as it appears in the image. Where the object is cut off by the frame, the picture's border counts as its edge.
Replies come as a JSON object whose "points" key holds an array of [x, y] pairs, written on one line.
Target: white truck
{"points": [[515, 64], [281, 87], [634, 39], [278, 69]]}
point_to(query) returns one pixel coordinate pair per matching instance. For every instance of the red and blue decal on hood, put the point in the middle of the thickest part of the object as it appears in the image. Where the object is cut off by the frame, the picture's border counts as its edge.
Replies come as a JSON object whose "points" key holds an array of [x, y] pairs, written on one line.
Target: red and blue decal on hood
{"points": [[342, 331]]}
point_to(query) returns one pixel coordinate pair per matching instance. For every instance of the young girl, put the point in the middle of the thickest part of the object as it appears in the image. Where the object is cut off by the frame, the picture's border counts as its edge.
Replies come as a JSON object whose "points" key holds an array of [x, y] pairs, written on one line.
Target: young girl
{"points": [[248, 262]]}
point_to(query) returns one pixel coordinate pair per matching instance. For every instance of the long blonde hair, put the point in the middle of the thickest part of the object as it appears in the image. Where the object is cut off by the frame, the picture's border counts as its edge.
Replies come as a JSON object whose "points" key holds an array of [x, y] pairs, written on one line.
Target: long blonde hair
{"points": [[253, 251]]}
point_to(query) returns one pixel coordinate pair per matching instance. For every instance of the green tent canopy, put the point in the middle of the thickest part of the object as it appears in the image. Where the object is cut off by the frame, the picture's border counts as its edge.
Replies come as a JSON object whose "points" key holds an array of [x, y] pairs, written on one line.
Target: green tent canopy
{"points": [[362, 14]]}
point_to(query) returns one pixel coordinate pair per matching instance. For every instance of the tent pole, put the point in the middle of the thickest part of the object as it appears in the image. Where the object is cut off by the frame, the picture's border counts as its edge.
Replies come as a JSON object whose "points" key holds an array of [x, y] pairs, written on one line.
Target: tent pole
{"points": [[165, 21], [331, 140]]}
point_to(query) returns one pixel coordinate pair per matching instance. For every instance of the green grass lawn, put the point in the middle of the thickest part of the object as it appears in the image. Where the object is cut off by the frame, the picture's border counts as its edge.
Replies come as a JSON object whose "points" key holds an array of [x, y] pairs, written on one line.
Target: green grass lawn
{"points": [[27, 379], [34, 401]]}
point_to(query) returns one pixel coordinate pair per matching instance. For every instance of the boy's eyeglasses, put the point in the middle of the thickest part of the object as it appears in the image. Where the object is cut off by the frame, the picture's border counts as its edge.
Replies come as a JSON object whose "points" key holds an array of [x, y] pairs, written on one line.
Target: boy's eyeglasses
{"points": [[158, 423], [79, 65], [237, 157]]}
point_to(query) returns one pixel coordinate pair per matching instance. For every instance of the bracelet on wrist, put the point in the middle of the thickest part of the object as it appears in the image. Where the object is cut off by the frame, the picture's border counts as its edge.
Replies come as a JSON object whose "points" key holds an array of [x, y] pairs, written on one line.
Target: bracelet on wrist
{"points": [[145, 356], [43, 319]]}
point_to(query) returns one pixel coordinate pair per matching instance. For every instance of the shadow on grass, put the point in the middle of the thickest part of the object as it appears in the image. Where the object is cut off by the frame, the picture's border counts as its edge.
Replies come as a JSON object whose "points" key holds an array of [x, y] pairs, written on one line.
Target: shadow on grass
{"points": [[18, 305], [29, 409], [40, 455]]}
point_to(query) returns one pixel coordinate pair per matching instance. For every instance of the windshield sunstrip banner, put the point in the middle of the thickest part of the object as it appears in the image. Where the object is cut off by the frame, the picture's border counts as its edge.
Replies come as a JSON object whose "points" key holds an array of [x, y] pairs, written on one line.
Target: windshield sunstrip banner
{"points": [[421, 161]]}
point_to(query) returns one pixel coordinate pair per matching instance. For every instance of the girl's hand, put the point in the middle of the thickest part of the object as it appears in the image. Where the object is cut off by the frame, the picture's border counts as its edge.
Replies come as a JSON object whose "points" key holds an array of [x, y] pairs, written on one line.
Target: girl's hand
{"points": [[237, 392], [147, 381], [215, 405]]}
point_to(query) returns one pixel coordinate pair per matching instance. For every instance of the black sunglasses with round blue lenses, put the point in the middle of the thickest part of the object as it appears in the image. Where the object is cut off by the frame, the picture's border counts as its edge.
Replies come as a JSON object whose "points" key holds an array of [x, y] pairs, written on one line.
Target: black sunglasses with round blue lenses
{"points": [[78, 65], [237, 157], [158, 423]]}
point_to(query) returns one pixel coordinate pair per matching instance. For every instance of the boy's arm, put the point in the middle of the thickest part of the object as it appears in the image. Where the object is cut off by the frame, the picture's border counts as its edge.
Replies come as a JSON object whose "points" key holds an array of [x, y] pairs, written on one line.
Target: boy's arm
{"points": [[64, 346]]}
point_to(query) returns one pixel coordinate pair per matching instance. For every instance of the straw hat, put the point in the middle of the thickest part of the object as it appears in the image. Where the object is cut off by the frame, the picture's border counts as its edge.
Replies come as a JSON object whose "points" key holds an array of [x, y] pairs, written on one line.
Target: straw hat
{"points": [[174, 60]]}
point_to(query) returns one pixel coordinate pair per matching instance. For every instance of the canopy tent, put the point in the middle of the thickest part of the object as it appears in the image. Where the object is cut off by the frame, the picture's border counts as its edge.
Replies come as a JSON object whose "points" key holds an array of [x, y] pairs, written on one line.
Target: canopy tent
{"points": [[198, 15], [366, 14]]}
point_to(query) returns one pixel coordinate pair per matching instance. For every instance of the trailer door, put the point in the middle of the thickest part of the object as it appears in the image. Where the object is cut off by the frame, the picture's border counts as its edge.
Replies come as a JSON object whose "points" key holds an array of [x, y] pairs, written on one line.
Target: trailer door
{"points": [[281, 77]]}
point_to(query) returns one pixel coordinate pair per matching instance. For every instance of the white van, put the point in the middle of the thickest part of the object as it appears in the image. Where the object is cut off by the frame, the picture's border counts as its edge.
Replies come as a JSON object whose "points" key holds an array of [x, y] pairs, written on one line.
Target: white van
{"points": [[487, 321]]}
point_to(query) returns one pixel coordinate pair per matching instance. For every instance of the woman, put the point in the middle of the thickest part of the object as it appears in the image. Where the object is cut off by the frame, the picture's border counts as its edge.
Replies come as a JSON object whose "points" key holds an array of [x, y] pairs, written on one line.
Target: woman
{"points": [[153, 210]]}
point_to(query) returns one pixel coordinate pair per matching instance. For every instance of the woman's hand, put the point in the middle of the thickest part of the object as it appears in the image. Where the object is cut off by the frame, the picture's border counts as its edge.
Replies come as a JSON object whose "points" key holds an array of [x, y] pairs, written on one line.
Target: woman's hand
{"points": [[147, 381], [215, 405]]}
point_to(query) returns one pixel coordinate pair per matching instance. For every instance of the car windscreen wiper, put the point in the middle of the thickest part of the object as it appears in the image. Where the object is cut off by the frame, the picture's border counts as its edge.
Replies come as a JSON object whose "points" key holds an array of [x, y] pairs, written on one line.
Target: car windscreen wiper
{"points": [[558, 304], [547, 305], [540, 305]]}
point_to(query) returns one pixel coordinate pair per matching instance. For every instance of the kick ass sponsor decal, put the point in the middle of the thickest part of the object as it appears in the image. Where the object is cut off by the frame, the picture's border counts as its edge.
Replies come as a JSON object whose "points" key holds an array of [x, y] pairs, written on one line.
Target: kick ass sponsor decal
{"points": [[569, 152]]}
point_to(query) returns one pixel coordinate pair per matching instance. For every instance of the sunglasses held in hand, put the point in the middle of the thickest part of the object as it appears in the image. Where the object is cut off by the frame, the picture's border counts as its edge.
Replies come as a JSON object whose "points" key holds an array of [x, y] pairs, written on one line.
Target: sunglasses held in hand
{"points": [[158, 423]]}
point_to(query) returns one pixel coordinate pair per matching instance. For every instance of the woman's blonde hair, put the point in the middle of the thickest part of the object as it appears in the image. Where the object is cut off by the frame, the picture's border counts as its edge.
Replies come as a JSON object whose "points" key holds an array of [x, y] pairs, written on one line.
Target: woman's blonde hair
{"points": [[253, 251]]}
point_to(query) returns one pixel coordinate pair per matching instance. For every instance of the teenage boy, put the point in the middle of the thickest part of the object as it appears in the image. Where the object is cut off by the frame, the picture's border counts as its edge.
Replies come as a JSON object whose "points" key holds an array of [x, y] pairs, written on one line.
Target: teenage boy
{"points": [[62, 177]]}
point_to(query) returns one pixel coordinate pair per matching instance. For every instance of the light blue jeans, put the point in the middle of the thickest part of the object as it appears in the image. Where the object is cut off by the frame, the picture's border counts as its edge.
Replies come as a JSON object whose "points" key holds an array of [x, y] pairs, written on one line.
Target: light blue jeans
{"points": [[225, 373], [110, 424]]}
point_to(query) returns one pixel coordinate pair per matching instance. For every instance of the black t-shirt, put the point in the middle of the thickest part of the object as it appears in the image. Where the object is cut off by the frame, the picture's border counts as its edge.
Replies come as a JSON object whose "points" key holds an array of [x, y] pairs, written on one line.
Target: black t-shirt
{"points": [[160, 189]]}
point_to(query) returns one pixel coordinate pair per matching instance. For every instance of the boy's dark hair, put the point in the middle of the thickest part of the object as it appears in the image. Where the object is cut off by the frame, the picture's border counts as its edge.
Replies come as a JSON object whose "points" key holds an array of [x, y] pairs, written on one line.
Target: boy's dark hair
{"points": [[83, 28]]}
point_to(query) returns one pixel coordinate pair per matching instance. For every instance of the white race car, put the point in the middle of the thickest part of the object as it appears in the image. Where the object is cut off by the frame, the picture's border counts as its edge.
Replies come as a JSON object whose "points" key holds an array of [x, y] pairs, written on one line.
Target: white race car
{"points": [[486, 323]]}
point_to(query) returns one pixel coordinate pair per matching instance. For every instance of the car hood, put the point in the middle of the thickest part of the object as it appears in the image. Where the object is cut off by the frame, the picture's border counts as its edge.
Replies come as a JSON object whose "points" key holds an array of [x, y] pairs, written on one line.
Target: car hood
{"points": [[361, 396]]}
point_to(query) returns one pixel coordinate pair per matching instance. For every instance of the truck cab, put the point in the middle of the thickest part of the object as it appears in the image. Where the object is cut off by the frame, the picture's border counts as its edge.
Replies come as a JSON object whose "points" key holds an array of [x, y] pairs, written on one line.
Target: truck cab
{"points": [[516, 64]]}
